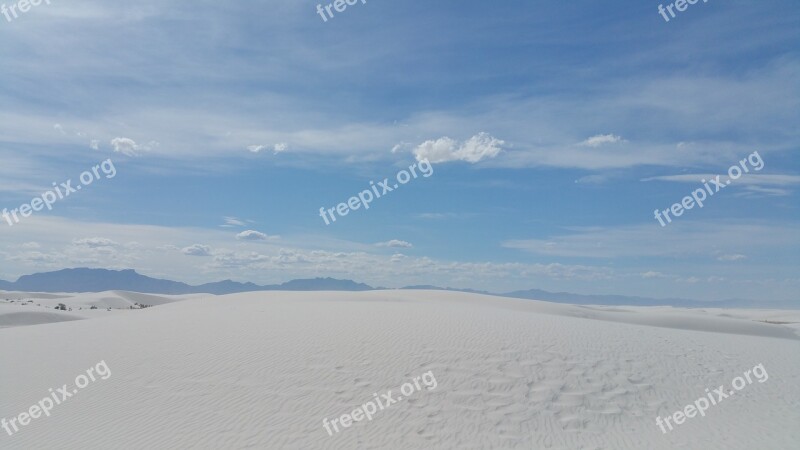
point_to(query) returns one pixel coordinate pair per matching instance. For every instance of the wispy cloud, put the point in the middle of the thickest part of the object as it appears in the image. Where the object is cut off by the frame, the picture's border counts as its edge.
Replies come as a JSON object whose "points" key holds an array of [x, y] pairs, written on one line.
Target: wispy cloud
{"points": [[754, 185], [601, 139], [232, 222], [733, 257], [746, 179], [682, 240]]}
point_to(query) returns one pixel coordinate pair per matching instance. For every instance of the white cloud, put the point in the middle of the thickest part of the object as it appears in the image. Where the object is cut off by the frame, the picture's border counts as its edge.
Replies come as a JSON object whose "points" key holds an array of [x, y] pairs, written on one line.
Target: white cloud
{"points": [[307, 257], [94, 242], [758, 191], [252, 235], [94, 144], [36, 258], [443, 216], [678, 239], [753, 184], [474, 149], [732, 257], [232, 222], [394, 243], [127, 147], [652, 274], [749, 179], [593, 179], [601, 139], [197, 250], [277, 148], [401, 146], [398, 257], [698, 105]]}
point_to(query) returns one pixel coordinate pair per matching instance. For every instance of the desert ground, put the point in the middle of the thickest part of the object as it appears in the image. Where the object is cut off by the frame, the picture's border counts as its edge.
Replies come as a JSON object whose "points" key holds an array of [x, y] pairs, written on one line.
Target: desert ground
{"points": [[265, 369]]}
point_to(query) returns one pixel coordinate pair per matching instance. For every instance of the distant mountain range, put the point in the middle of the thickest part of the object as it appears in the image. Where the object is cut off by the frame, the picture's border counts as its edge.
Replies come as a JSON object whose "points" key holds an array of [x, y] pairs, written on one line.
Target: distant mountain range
{"points": [[99, 280]]}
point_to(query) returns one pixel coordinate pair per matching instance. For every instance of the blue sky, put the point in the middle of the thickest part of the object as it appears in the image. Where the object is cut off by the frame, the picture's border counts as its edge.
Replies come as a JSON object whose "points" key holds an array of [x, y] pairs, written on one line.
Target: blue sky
{"points": [[555, 130]]}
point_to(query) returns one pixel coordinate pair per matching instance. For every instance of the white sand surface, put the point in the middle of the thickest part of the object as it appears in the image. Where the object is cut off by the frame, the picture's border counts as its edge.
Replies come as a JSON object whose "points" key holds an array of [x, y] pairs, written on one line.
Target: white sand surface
{"points": [[262, 371], [35, 308]]}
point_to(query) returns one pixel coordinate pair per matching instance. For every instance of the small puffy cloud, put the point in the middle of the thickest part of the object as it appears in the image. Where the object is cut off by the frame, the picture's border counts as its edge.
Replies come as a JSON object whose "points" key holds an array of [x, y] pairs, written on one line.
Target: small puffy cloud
{"points": [[277, 148], [31, 245], [59, 128], [732, 257], [394, 243], [197, 250], [129, 147], [94, 144], [601, 139], [94, 242], [252, 235], [474, 149]]}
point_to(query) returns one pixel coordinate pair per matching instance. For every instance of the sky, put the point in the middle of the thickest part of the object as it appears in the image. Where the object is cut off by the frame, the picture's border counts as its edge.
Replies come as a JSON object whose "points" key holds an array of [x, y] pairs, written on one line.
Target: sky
{"points": [[553, 132]]}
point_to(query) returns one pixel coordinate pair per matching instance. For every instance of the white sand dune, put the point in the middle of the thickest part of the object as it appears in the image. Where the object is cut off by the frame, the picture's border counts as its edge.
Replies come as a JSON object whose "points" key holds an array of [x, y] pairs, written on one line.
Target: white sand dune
{"points": [[23, 309], [262, 370], [14, 295], [18, 318]]}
